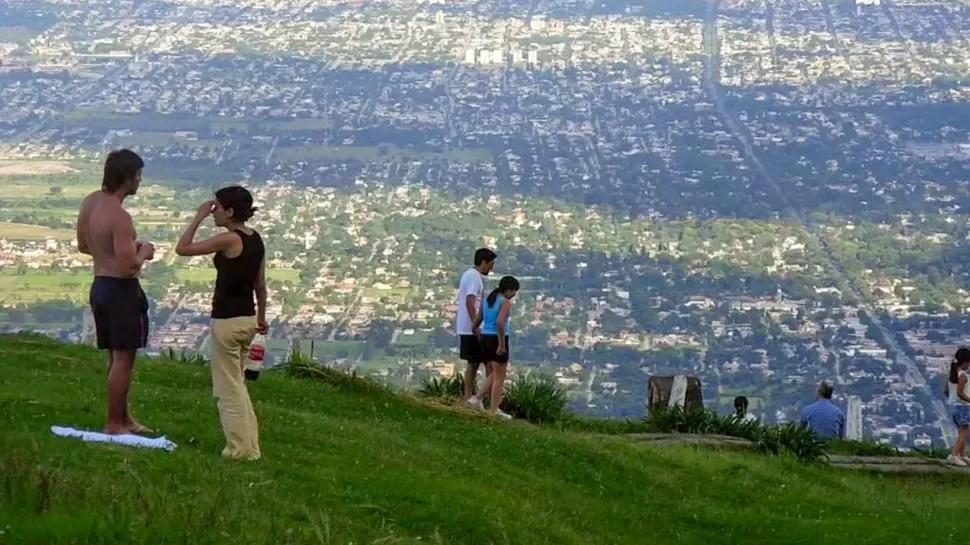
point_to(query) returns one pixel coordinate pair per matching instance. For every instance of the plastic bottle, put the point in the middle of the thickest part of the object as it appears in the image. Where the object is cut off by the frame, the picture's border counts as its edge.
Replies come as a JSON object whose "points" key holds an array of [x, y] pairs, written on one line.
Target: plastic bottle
{"points": [[254, 363]]}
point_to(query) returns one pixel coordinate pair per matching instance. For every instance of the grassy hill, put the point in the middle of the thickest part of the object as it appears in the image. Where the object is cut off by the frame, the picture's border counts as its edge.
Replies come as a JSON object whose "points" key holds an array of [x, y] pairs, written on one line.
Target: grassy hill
{"points": [[342, 466]]}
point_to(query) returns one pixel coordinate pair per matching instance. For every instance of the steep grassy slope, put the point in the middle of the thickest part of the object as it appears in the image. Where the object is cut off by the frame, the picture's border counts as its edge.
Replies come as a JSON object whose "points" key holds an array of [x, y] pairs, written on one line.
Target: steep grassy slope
{"points": [[345, 467]]}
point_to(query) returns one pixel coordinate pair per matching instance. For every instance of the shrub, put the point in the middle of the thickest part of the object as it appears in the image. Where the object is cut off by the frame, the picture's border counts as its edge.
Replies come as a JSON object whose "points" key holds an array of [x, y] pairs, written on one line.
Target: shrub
{"points": [[453, 387], [786, 439], [537, 398]]}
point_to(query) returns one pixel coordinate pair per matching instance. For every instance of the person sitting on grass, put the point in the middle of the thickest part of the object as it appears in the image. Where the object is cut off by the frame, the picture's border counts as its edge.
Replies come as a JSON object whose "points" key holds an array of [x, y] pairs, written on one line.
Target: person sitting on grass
{"points": [[823, 418], [494, 319], [741, 410]]}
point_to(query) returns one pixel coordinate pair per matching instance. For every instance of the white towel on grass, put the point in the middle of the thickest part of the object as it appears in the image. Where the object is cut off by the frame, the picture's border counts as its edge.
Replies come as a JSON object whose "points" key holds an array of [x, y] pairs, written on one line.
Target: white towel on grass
{"points": [[127, 439]]}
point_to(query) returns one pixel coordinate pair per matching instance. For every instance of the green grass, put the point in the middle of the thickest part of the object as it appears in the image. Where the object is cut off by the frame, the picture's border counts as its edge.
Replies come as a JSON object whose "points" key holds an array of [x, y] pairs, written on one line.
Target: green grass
{"points": [[346, 464], [23, 231]]}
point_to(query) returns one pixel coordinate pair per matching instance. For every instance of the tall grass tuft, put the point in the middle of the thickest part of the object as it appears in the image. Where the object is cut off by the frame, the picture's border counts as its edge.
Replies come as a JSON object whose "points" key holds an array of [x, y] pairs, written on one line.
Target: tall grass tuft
{"points": [[304, 367], [537, 398], [451, 387], [181, 356]]}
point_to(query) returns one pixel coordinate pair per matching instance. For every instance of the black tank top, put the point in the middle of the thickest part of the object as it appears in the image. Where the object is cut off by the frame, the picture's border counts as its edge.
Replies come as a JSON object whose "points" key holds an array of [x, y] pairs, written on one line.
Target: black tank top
{"points": [[236, 279]]}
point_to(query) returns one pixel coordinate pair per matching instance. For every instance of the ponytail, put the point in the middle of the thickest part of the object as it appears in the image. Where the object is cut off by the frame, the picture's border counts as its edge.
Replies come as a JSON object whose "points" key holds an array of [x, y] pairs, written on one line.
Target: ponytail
{"points": [[507, 283], [492, 295], [961, 357]]}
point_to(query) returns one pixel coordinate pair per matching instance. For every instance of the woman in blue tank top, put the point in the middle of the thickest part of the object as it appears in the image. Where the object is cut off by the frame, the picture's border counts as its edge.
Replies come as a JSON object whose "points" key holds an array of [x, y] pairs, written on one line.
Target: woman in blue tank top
{"points": [[495, 328]]}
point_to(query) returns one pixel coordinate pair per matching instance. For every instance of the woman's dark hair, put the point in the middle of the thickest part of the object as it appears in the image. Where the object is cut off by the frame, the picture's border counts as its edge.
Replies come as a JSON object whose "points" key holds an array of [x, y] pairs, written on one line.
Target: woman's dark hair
{"points": [[507, 283], [239, 199], [120, 166], [741, 404], [962, 356]]}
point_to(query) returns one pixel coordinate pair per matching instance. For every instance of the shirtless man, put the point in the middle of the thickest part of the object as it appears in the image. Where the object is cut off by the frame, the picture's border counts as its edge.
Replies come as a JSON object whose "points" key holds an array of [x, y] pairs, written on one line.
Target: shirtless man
{"points": [[106, 233]]}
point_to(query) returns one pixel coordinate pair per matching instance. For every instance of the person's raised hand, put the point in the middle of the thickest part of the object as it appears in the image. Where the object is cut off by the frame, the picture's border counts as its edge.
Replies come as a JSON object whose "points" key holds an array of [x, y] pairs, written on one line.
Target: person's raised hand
{"points": [[205, 209]]}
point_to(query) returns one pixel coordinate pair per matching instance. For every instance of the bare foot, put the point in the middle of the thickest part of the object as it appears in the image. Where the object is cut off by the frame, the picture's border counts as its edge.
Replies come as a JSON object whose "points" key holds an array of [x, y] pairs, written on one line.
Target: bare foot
{"points": [[137, 429], [115, 429]]}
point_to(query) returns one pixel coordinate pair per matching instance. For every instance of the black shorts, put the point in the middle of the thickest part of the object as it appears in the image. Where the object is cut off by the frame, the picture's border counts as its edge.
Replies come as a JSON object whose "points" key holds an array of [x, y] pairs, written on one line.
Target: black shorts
{"points": [[469, 349], [490, 349], [120, 310]]}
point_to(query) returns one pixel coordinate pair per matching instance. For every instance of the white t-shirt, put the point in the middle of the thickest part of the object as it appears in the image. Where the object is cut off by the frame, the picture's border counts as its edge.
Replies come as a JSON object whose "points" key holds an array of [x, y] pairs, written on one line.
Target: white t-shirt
{"points": [[952, 390], [471, 283]]}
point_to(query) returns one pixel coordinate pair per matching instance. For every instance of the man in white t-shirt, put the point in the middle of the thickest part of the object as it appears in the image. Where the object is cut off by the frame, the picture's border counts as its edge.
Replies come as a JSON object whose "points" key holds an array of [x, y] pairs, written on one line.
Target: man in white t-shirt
{"points": [[471, 291]]}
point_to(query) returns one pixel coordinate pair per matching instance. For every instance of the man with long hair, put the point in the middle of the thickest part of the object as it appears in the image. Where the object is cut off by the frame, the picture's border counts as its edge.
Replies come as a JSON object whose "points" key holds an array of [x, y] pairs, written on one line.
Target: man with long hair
{"points": [[106, 232]]}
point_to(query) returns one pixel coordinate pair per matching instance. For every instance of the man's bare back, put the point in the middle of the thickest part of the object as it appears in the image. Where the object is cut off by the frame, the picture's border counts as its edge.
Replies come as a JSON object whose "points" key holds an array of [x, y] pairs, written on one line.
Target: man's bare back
{"points": [[105, 232]]}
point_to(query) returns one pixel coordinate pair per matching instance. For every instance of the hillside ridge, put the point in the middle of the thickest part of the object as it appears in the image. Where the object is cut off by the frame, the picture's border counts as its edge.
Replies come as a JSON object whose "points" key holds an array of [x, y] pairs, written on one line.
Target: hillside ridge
{"points": [[344, 466]]}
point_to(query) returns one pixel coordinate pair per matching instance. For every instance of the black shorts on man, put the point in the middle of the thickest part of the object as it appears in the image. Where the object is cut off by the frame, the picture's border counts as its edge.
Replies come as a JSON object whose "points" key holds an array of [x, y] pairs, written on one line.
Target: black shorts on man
{"points": [[469, 349], [490, 349], [120, 310]]}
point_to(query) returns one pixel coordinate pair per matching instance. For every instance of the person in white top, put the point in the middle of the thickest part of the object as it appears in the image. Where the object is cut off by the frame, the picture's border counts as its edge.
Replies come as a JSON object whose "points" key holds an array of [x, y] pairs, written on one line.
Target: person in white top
{"points": [[958, 394], [741, 410], [471, 291]]}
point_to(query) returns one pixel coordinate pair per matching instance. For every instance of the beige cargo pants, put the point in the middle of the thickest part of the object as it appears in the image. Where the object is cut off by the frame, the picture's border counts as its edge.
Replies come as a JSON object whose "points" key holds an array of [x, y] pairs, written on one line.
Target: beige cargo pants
{"points": [[230, 343]]}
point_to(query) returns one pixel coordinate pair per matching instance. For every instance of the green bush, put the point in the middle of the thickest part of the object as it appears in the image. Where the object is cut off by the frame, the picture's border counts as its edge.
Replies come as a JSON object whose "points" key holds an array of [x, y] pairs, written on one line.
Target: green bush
{"points": [[789, 439], [537, 398], [453, 387]]}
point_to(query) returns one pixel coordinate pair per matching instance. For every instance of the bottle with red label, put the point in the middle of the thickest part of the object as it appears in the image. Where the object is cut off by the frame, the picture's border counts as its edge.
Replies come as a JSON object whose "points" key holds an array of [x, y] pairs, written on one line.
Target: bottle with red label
{"points": [[257, 351]]}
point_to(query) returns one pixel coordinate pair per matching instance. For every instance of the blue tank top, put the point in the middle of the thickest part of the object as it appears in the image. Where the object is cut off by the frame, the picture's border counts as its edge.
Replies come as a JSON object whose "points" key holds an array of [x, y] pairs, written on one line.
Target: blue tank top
{"points": [[490, 317]]}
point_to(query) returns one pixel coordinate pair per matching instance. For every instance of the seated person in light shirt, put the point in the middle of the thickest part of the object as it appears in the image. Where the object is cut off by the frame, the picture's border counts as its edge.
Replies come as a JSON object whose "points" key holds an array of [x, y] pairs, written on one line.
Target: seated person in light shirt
{"points": [[741, 410]]}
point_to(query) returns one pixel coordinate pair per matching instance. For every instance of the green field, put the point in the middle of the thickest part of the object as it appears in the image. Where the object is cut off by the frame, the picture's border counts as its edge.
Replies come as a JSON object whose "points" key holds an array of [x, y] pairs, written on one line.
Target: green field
{"points": [[368, 154], [325, 350], [37, 286], [420, 338], [209, 275], [149, 138], [38, 191], [398, 293], [22, 231], [344, 465], [17, 34]]}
